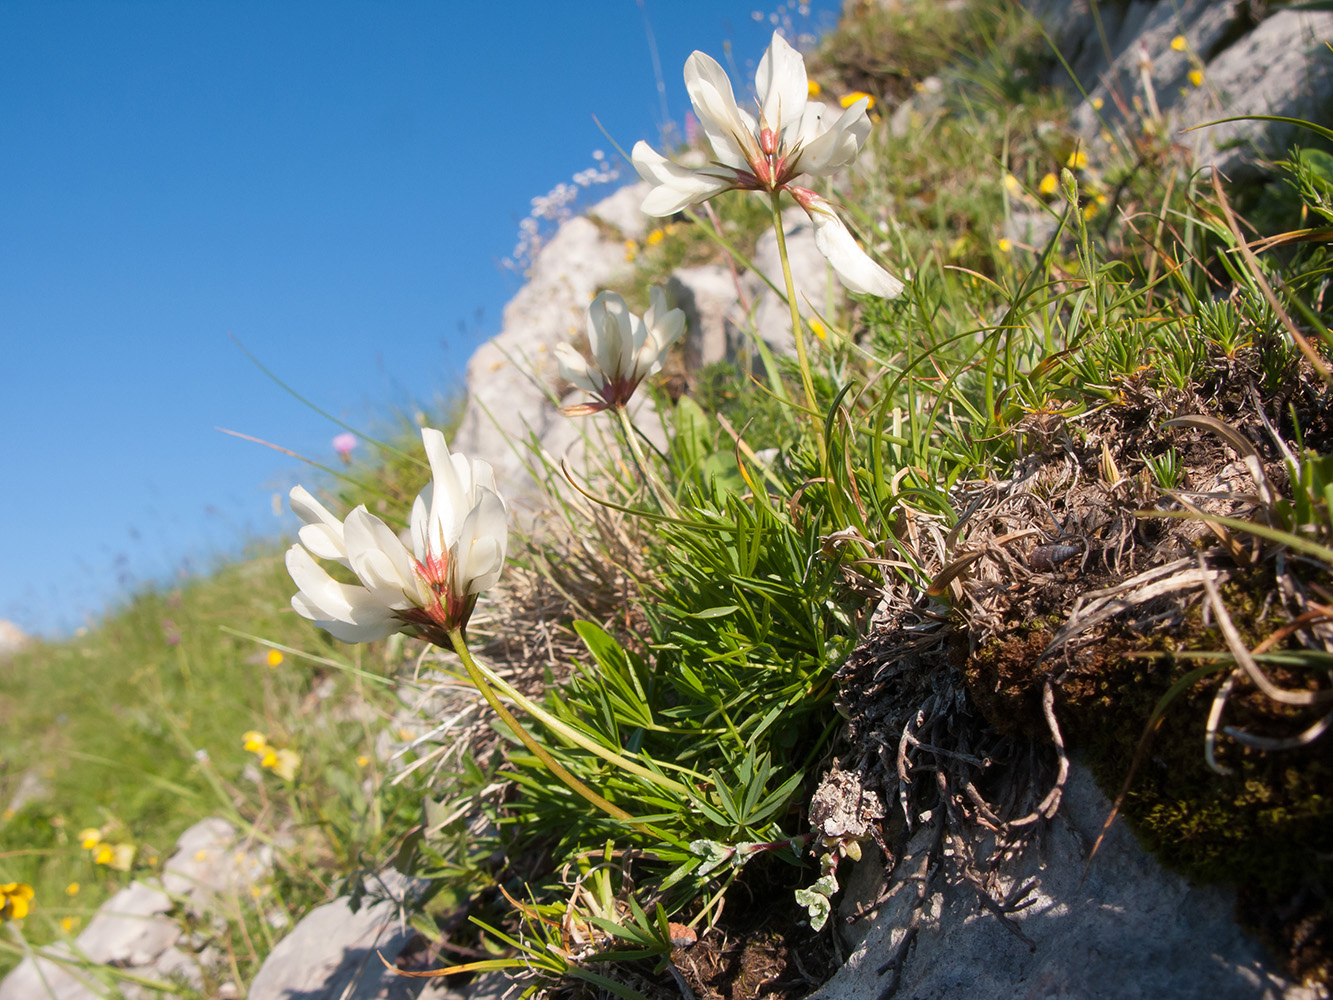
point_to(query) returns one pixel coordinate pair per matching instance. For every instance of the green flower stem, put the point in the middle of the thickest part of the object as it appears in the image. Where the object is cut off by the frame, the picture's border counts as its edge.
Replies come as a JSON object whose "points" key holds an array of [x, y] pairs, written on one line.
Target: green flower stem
{"points": [[479, 677], [664, 502], [798, 331]]}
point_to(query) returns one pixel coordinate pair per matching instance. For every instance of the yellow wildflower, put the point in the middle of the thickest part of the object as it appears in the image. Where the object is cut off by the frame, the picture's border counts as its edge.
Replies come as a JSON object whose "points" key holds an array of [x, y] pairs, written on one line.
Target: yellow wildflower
{"points": [[819, 329], [362, 760], [72, 889], [1048, 184], [1097, 103], [1077, 160], [274, 658], [1004, 245], [1013, 185], [255, 741], [814, 88], [1179, 44], [104, 854], [15, 900], [655, 237], [1196, 77], [847, 100], [283, 763], [90, 838], [69, 923], [631, 249]]}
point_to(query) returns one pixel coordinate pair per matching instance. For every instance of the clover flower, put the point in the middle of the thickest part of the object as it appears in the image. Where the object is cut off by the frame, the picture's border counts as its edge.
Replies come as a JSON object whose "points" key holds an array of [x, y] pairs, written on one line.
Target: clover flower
{"points": [[15, 900], [114, 855], [792, 136], [459, 533], [625, 349], [280, 760]]}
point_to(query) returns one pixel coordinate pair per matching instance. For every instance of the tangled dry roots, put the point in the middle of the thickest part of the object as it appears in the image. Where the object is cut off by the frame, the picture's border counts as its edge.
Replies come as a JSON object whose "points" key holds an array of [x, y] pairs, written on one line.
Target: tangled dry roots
{"points": [[1052, 557]]}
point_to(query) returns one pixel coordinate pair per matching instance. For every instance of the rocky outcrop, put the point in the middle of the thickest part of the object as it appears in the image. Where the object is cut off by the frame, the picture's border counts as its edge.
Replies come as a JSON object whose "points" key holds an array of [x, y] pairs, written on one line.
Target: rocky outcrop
{"points": [[1114, 926], [142, 930], [1237, 58]]}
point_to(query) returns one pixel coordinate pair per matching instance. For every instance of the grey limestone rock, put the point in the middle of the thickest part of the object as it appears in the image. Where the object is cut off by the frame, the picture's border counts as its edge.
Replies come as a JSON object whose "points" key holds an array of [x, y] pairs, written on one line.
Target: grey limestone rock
{"points": [[810, 272], [1126, 931], [134, 929], [333, 952], [714, 329]]}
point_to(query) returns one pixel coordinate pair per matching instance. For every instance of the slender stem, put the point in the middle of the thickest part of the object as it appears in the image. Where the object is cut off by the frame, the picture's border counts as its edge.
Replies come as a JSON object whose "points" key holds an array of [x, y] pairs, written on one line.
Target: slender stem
{"points": [[797, 330], [577, 738], [664, 502], [479, 680]]}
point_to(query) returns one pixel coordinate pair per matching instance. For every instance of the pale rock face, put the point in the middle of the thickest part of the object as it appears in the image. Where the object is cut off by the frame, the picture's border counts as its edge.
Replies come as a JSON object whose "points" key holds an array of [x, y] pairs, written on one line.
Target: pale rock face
{"points": [[508, 375], [133, 929], [1118, 928], [1279, 67], [810, 271], [715, 325], [11, 637]]}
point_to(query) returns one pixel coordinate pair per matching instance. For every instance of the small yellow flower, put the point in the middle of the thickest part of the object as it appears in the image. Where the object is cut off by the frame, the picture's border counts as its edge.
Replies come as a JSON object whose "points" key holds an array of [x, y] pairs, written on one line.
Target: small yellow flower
{"points": [[274, 658], [72, 889], [283, 763], [1179, 44], [69, 923], [1097, 104], [90, 838], [104, 854], [814, 88], [362, 761], [1048, 184], [255, 741], [1196, 77], [1013, 185], [631, 249], [819, 329], [122, 858], [1090, 209], [15, 900], [1077, 160], [201, 855], [847, 100], [1004, 245], [655, 237]]}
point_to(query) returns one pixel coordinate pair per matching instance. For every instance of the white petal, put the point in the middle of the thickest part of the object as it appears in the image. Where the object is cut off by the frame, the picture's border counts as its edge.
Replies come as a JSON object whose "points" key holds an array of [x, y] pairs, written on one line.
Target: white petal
{"points": [[675, 187], [611, 333], [480, 554], [322, 533], [320, 592], [854, 268], [448, 503], [783, 89], [730, 131], [573, 368], [379, 560], [420, 520], [839, 145]]}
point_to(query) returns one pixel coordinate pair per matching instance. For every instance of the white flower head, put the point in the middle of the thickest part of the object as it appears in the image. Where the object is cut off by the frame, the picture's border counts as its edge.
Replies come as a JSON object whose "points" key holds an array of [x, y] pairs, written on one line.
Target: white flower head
{"points": [[626, 349], [460, 532], [791, 136]]}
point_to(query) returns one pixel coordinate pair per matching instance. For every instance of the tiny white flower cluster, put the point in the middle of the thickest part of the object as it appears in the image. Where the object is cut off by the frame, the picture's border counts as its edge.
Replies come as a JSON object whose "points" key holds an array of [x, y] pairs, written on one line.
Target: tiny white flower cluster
{"points": [[781, 18], [553, 208]]}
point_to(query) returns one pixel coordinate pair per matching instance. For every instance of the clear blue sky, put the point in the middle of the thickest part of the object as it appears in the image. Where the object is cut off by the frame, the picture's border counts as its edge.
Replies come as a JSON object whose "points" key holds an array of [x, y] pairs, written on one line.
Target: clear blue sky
{"points": [[333, 183]]}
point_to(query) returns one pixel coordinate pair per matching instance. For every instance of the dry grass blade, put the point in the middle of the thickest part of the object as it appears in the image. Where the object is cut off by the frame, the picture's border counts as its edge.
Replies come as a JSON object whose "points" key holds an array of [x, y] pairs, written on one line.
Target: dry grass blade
{"points": [[1238, 442]]}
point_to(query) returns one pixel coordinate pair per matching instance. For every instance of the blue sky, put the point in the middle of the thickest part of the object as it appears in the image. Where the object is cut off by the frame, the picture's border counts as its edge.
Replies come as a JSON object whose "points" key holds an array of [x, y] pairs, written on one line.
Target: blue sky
{"points": [[333, 184]]}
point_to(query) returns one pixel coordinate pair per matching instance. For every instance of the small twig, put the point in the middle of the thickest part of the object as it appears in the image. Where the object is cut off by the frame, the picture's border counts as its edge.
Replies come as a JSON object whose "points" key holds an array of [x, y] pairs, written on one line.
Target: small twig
{"points": [[1243, 657], [1215, 721]]}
